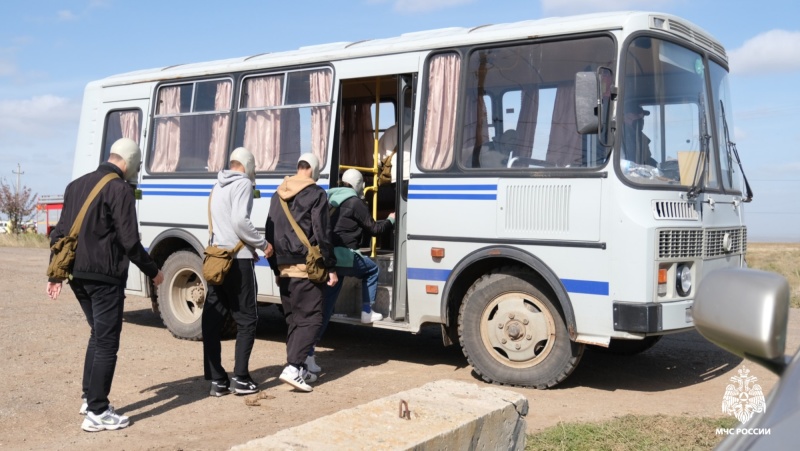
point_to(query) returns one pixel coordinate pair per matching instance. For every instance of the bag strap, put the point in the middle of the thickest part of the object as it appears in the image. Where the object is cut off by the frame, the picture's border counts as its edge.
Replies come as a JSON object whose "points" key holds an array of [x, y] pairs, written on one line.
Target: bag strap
{"points": [[76, 226], [238, 246], [297, 229]]}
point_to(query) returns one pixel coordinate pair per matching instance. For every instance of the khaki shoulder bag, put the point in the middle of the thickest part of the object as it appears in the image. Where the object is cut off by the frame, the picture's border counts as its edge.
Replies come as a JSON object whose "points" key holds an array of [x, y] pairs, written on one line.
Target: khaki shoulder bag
{"points": [[60, 267], [315, 265], [217, 261]]}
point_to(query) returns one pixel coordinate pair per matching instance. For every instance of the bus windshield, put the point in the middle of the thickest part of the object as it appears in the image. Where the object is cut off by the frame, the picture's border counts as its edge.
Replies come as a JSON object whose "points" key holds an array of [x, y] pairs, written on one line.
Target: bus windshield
{"points": [[664, 133]]}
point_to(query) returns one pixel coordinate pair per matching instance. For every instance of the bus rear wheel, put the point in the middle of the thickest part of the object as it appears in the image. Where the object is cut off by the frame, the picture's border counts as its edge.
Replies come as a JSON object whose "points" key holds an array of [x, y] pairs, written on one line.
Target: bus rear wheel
{"points": [[511, 333], [182, 295]]}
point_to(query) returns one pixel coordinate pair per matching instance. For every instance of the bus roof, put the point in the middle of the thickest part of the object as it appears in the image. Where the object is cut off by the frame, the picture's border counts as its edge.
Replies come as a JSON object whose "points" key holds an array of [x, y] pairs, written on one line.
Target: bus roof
{"points": [[431, 40]]}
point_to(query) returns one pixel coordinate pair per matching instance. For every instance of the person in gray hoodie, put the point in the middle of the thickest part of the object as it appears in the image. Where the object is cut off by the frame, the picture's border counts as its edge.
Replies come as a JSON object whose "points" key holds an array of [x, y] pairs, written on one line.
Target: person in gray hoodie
{"points": [[231, 204]]}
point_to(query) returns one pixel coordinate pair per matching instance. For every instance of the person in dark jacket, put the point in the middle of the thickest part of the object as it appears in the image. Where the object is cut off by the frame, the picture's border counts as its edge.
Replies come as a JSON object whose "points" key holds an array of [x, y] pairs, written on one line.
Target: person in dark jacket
{"points": [[301, 298], [350, 220], [107, 242]]}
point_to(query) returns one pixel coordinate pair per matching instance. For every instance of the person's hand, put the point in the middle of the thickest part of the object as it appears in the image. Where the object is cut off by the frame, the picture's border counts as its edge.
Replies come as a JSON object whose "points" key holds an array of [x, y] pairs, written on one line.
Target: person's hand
{"points": [[159, 278], [268, 251], [53, 289], [333, 279], [391, 216]]}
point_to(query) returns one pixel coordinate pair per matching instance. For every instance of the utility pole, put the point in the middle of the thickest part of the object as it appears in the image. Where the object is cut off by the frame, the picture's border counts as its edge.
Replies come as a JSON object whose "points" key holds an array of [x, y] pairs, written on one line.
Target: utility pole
{"points": [[18, 217]]}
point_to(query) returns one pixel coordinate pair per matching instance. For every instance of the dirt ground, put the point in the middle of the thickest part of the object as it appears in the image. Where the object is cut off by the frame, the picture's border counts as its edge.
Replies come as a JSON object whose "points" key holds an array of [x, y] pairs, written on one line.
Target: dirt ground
{"points": [[159, 382]]}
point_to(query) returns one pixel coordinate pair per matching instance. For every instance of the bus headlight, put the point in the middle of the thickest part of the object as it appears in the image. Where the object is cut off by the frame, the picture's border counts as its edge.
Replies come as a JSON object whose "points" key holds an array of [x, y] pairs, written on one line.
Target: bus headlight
{"points": [[683, 279]]}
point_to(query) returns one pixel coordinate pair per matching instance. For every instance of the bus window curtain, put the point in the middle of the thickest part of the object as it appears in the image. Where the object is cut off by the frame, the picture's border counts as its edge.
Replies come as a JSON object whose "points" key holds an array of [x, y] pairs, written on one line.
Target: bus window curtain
{"points": [[320, 83], [440, 116], [262, 129], [129, 125], [526, 124], [564, 147], [167, 147], [219, 128], [357, 143]]}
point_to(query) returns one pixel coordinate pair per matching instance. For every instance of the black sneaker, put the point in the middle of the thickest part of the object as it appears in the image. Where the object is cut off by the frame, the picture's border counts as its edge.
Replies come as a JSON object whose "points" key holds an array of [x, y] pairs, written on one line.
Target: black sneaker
{"points": [[220, 388], [244, 385]]}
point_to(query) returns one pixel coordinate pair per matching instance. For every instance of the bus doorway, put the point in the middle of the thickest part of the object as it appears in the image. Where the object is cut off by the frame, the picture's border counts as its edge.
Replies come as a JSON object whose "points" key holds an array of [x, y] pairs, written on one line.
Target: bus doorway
{"points": [[372, 113]]}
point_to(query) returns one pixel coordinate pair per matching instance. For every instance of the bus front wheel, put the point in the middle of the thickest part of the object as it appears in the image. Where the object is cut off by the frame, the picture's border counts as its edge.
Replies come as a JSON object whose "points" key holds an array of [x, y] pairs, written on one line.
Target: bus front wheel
{"points": [[511, 333]]}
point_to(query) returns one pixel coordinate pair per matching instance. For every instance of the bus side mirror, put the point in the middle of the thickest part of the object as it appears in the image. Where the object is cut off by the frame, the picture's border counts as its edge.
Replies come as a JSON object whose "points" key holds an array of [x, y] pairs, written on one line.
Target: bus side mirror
{"points": [[587, 99]]}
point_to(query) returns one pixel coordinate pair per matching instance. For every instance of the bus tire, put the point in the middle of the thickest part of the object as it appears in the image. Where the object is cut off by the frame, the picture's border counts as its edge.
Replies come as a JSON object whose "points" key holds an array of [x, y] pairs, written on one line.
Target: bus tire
{"points": [[619, 346], [182, 295], [512, 334]]}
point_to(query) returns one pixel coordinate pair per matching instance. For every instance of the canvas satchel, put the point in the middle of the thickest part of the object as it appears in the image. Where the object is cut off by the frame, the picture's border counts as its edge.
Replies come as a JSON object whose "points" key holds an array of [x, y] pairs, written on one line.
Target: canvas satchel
{"points": [[315, 265], [60, 267], [217, 261]]}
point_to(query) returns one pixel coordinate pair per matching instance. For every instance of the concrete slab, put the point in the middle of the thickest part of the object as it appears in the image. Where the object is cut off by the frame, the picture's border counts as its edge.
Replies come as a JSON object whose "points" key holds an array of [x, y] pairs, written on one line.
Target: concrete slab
{"points": [[445, 414]]}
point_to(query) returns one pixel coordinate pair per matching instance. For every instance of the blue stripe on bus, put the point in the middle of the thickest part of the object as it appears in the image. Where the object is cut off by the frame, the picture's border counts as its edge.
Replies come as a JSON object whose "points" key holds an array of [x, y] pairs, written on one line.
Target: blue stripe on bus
{"points": [[174, 193], [163, 185], [452, 196], [439, 275], [572, 285], [586, 286], [262, 262], [453, 187]]}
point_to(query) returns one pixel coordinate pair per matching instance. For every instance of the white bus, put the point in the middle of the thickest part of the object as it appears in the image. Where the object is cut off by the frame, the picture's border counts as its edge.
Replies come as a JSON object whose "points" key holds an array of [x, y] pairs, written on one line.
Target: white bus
{"points": [[565, 182]]}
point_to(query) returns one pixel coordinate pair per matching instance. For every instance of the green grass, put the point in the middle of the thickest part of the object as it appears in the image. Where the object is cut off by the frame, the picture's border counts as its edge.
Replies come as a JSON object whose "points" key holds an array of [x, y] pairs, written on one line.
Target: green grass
{"points": [[634, 433], [24, 240]]}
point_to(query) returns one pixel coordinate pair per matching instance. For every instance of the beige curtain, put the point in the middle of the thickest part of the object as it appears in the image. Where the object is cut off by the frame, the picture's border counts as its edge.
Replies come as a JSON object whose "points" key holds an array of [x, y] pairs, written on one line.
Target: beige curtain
{"points": [[526, 124], [564, 147], [320, 82], [219, 127], [438, 139], [167, 147], [262, 129], [357, 141], [129, 125]]}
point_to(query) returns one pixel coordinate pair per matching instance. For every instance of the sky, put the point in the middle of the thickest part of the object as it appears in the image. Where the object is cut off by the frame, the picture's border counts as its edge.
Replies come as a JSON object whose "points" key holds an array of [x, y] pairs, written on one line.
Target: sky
{"points": [[50, 50]]}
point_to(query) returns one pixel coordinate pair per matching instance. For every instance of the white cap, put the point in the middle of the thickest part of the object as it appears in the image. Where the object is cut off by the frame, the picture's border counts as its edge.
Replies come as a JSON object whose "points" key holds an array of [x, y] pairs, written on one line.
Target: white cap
{"points": [[128, 150], [355, 179], [247, 160], [312, 161]]}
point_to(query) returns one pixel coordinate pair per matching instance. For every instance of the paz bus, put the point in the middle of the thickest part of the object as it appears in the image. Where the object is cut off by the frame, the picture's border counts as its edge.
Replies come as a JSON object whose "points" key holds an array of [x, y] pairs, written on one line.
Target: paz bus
{"points": [[566, 182]]}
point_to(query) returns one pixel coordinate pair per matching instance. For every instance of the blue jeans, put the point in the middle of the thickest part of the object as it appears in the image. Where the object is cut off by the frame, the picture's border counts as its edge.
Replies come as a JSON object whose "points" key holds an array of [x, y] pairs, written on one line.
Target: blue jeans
{"points": [[363, 268]]}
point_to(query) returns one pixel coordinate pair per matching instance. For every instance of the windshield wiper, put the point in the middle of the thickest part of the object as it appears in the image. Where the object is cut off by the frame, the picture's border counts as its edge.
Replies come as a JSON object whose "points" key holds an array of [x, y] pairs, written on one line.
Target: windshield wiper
{"points": [[702, 160], [730, 146]]}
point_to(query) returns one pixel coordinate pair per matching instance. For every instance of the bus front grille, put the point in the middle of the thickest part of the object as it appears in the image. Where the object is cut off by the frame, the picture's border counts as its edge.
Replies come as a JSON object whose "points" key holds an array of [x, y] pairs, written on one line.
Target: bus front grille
{"points": [[696, 243]]}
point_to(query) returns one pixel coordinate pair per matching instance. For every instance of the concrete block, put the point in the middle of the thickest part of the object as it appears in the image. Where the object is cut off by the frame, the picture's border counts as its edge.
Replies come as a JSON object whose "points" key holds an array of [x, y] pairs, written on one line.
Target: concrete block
{"points": [[445, 414]]}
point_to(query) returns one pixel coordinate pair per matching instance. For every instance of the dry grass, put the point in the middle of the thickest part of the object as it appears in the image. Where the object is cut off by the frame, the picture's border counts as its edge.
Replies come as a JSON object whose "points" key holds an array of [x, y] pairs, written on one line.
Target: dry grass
{"points": [[633, 433], [24, 240], [782, 258]]}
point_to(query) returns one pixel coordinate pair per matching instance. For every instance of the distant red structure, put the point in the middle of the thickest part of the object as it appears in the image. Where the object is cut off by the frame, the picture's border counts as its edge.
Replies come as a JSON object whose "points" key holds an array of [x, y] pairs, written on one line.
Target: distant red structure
{"points": [[48, 212]]}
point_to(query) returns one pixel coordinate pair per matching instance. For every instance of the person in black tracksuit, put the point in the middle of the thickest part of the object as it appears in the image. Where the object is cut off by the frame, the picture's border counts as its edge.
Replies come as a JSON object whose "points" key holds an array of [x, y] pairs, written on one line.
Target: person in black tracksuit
{"points": [[301, 298], [107, 242]]}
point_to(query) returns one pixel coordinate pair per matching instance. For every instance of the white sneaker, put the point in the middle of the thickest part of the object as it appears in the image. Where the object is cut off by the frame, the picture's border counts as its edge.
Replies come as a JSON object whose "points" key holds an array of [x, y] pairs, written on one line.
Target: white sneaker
{"points": [[367, 318], [85, 407], [312, 365], [291, 375], [108, 420]]}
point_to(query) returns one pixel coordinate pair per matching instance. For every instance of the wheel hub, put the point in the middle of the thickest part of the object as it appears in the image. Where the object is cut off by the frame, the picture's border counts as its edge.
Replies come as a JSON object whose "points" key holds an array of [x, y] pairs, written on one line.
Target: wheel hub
{"points": [[517, 329]]}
